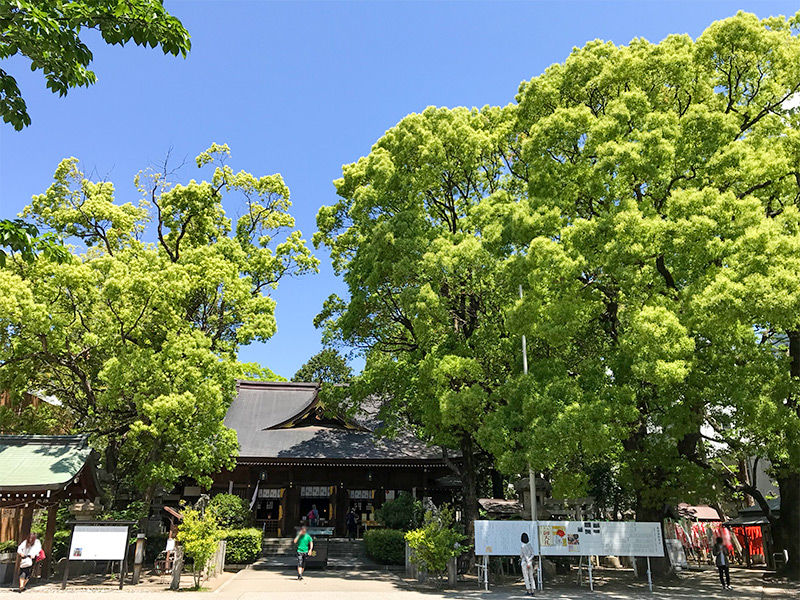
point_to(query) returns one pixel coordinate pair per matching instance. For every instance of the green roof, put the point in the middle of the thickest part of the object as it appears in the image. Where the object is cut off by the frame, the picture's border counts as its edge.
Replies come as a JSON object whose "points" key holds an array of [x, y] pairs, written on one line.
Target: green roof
{"points": [[41, 462]]}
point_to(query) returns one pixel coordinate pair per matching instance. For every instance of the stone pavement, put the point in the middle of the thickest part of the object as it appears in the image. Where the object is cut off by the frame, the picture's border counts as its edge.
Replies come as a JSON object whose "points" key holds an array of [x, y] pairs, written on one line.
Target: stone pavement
{"points": [[251, 584]]}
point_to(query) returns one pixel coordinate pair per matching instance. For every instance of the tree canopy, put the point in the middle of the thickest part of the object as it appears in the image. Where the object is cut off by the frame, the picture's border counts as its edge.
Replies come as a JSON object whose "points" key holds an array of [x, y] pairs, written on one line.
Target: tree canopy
{"points": [[645, 197], [137, 339], [49, 34], [326, 366]]}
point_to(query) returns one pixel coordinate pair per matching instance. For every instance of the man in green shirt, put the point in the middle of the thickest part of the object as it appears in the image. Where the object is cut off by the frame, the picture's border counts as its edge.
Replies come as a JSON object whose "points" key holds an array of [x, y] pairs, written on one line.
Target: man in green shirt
{"points": [[305, 546]]}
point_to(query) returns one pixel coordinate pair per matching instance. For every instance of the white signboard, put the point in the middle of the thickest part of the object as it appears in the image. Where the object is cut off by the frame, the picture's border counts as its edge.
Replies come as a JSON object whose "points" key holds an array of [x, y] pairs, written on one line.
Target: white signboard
{"points": [[99, 542], [502, 538], [632, 539], [564, 538]]}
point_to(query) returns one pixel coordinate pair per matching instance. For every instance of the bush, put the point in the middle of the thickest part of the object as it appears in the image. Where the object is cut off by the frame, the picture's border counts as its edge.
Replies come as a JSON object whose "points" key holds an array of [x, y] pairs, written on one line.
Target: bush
{"points": [[61, 540], [9, 546], [402, 513], [387, 546], [231, 511], [242, 545], [436, 542], [199, 535]]}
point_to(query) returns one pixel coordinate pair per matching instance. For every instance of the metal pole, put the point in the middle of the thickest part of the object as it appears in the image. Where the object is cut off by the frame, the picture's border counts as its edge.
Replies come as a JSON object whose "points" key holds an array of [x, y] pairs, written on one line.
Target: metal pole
{"points": [[649, 575], [531, 474], [591, 581]]}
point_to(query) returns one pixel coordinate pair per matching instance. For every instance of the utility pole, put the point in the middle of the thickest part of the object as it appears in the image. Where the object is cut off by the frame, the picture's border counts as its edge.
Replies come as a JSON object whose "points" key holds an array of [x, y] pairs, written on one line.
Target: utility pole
{"points": [[531, 474]]}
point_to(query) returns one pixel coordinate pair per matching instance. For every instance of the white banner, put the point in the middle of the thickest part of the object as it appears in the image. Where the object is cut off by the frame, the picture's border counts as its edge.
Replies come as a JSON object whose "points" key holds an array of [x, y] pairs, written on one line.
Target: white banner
{"points": [[99, 542]]}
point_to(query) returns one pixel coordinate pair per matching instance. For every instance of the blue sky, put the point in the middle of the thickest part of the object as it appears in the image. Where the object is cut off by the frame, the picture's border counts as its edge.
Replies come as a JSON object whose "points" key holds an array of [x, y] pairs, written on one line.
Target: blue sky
{"points": [[303, 88]]}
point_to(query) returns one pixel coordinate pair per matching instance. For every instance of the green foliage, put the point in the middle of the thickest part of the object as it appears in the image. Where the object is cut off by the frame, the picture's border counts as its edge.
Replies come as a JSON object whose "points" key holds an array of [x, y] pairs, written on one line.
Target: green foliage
{"points": [[436, 542], [231, 511], [139, 340], [254, 372], [48, 33], [386, 546], [243, 546], [24, 240], [326, 366], [403, 513], [61, 540], [8, 546], [427, 297], [199, 535]]}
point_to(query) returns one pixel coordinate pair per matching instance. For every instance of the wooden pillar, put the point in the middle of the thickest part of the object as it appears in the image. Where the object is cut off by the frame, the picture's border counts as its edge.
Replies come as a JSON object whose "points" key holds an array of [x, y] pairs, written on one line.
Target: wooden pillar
{"points": [[47, 546], [25, 529]]}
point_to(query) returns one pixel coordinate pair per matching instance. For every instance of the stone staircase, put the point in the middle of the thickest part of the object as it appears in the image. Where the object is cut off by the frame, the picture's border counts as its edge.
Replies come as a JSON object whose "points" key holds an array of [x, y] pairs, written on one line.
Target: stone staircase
{"points": [[279, 553]]}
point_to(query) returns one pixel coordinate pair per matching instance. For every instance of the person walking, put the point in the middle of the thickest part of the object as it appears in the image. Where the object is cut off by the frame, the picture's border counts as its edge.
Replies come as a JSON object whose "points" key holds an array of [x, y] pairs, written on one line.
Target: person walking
{"points": [[526, 564], [28, 552], [722, 560], [313, 516], [352, 525], [305, 546]]}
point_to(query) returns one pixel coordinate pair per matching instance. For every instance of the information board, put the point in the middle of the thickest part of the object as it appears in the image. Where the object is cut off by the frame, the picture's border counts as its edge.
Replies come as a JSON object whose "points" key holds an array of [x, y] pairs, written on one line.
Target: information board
{"points": [[632, 539], [502, 538], [99, 542], [581, 538]]}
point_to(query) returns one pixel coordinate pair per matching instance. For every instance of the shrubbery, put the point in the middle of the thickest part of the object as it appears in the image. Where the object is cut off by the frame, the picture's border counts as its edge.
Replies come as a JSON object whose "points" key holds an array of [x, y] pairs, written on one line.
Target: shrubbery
{"points": [[199, 535], [242, 545], [61, 540], [9, 546], [436, 542], [402, 513], [231, 511], [386, 546]]}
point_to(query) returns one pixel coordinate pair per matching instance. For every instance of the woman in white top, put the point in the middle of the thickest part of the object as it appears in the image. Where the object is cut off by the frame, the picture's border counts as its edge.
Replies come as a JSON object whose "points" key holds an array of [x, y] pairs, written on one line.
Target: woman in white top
{"points": [[526, 564], [28, 552]]}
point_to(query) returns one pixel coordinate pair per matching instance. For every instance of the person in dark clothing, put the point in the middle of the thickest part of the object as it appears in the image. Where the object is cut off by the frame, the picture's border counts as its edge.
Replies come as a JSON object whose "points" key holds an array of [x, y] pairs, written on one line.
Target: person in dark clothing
{"points": [[352, 525], [722, 560]]}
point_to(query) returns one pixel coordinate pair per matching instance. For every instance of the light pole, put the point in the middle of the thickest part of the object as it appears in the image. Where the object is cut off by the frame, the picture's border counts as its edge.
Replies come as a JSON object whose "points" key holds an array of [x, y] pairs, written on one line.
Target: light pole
{"points": [[531, 474]]}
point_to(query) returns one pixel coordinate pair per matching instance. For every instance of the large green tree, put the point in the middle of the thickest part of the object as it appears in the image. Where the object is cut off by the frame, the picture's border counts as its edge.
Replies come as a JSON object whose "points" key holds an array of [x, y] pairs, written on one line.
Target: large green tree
{"points": [[657, 243], [426, 298], [138, 339], [48, 32], [326, 366]]}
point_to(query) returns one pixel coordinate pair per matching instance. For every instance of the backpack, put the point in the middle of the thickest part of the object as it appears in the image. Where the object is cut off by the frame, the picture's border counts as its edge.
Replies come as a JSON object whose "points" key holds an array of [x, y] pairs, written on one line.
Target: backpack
{"points": [[310, 515]]}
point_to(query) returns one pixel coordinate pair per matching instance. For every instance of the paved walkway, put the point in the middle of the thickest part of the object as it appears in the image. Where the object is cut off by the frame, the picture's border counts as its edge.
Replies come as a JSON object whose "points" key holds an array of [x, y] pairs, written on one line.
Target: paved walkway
{"points": [[251, 584]]}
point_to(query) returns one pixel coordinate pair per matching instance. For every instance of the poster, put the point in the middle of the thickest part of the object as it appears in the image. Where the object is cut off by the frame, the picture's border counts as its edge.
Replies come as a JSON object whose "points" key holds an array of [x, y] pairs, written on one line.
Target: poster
{"points": [[99, 542]]}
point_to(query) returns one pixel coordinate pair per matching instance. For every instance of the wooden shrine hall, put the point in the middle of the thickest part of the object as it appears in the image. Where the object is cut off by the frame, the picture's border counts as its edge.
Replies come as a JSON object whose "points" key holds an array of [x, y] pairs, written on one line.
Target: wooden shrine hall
{"points": [[39, 472], [292, 456]]}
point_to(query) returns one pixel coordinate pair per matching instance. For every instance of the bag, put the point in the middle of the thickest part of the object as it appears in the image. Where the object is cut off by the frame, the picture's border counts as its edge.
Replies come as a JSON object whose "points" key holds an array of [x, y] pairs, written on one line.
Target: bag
{"points": [[310, 515], [40, 556]]}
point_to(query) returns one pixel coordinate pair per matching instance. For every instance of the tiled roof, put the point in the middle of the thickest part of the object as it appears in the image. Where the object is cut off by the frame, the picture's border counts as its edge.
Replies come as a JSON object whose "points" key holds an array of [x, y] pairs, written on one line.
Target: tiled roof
{"points": [[263, 414]]}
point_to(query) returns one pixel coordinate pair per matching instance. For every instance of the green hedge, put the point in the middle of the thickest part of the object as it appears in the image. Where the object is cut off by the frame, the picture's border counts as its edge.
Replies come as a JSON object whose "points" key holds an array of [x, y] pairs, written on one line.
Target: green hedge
{"points": [[61, 543], [242, 545], [387, 546]]}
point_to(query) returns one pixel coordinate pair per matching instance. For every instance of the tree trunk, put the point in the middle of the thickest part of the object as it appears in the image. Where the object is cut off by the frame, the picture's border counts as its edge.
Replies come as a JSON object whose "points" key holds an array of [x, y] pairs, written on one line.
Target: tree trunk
{"points": [[660, 567], [469, 511], [787, 527]]}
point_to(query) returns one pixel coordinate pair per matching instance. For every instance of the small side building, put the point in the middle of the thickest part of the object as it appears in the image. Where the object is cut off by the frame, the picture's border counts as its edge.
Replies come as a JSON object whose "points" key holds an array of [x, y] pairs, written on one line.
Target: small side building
{"points": [[39, 472], [293, 456]]}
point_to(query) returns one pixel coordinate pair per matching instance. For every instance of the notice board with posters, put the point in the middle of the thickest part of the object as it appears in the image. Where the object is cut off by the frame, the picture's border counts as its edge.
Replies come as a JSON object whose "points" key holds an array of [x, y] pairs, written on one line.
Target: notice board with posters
{"points": [[502, 538], [600, 538]]}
